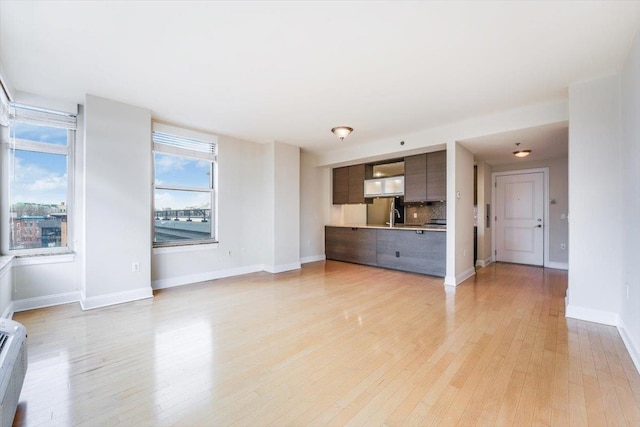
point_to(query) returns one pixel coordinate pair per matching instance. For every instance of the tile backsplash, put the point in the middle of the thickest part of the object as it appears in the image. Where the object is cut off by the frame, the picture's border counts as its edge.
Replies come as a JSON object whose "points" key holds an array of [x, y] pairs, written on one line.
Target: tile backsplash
{"points": [[420, 213]]}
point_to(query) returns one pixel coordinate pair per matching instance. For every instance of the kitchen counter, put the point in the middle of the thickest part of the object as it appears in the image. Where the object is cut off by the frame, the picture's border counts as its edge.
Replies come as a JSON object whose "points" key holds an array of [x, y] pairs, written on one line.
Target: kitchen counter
{"points": [[397, 227]]}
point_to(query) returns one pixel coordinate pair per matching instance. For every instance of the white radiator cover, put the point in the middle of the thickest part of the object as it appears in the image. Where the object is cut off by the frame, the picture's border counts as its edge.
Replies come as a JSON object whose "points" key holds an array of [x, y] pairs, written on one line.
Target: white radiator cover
{"points": [[13, 367]]}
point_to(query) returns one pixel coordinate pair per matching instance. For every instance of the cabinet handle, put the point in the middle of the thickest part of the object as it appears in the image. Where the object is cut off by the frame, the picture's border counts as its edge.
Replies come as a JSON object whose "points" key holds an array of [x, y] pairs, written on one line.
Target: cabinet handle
{"points": [[419, 231], [354, 228]]}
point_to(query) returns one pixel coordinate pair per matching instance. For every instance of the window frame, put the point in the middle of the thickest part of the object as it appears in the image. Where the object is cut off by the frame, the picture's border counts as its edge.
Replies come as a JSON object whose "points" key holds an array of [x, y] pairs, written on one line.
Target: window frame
{"points": [[212, 160], [10, 144]]}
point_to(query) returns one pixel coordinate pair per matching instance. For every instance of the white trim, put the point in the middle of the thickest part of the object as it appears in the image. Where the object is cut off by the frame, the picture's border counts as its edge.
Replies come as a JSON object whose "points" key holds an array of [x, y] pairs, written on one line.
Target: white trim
{"points": [[184, 248], [282, 267], [484, 262], [115, 298], [459, 278], [545, 201], [591, 315], [203, 277], [8, 312], [632, 349], [312, 258], [5, 263], [44, 301], [557, 265], [21, 261]]}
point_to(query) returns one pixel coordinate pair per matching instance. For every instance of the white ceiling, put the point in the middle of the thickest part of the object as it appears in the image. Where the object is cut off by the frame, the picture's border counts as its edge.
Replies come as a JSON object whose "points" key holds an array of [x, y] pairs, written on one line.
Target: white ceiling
{"points": [[290, 71], [545, 142]]}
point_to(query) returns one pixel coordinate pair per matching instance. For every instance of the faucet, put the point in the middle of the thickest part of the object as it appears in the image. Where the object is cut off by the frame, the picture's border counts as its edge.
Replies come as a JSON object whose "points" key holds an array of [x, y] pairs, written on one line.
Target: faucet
{"points": [[393, 212]]}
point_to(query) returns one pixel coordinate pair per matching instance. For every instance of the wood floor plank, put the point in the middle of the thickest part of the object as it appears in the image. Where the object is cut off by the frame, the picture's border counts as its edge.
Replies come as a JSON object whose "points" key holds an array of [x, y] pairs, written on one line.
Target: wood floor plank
{"points": [[331, 344]]}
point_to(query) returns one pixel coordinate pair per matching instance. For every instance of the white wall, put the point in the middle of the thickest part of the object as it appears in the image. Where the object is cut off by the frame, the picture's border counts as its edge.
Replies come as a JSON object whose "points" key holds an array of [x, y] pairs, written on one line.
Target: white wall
{"points": [[595, 202], [286, 208], [312, 208], [630, 170], [117, 202], [460, 262], [241, 224], [558, 191]]}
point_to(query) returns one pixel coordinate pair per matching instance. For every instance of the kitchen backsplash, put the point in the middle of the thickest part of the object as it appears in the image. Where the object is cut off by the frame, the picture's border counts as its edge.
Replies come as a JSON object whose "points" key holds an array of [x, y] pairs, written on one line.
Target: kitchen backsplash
{"points": [[420, 213]]}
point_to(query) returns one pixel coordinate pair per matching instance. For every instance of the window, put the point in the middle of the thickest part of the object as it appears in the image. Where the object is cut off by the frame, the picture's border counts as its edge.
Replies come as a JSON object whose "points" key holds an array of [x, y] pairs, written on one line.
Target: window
{"points": [[184, 186], [38, 156]]}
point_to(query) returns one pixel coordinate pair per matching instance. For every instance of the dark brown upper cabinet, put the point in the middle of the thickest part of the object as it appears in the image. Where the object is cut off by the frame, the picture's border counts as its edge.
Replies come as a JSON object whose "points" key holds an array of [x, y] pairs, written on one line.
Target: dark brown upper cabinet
{"points": [[415, 178], [425, 177], [348, 184], [437, 176]]}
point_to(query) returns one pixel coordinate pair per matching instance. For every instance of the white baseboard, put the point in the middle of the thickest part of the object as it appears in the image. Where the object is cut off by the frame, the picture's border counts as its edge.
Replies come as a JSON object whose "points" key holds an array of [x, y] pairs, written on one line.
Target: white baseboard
{"points": [[203, 277], [459, 278], [312, 258], [44, 301], [89, 303], [591, 315], [484, 262], [557, 265], [632, 348], [282, 267]]}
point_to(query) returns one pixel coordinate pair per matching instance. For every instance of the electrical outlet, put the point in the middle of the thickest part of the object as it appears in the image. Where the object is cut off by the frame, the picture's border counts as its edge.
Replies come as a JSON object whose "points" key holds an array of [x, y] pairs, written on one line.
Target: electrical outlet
{"points": [[135, 267], [415, 214]]}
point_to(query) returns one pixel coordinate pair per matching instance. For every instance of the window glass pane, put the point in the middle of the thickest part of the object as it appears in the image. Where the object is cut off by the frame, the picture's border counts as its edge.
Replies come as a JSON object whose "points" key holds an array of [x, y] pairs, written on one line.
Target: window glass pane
{"points": [[37, 133], [182, 215], [181, 171], [38, 200]]}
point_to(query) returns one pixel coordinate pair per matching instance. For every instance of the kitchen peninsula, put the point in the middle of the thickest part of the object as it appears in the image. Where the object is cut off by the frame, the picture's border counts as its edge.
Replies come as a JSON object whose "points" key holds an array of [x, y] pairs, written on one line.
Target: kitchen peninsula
{"points": [[417, 249]]}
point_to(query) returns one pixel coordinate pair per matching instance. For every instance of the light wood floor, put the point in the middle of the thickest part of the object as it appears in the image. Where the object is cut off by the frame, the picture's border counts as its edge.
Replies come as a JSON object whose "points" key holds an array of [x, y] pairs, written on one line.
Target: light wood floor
{"points": [[332, 344]]}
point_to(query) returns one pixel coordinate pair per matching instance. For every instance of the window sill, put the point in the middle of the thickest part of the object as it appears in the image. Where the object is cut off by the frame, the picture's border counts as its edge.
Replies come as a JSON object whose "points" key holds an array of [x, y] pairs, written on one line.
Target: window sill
{"points": [[184, 248], [22, 260]]}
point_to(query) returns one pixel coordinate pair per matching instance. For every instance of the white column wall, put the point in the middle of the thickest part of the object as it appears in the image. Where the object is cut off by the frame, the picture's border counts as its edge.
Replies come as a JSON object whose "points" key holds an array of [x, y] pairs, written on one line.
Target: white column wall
{"points": [[595, 202], [460, 262], [312, 208], [117, 200], [484, 197], [282, 208], [630, 166]]}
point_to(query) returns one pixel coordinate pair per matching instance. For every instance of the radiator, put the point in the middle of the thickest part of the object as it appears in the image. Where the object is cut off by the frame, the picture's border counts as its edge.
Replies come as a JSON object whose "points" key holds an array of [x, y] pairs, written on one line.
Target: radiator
{"points": [[13, 367]]}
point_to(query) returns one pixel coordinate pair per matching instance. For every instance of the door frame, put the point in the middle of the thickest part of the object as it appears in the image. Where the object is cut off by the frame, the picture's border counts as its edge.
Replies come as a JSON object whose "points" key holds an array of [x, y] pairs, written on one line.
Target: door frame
{"points": [[545, 201]]}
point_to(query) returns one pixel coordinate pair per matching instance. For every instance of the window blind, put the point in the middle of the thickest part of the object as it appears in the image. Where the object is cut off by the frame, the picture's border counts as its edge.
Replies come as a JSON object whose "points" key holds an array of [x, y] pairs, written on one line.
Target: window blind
{"points": [[184, 143], [38, 116]]}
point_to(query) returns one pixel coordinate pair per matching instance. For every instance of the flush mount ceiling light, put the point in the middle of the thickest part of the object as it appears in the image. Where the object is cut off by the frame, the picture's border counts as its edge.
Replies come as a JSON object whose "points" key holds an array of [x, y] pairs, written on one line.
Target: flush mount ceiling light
{"points": [[342, 132], [521, 153]]}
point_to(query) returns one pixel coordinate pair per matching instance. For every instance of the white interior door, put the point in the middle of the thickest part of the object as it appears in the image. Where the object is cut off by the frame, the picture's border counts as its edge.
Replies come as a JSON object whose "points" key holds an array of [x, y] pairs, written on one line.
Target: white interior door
{"points": [[519, 218]]}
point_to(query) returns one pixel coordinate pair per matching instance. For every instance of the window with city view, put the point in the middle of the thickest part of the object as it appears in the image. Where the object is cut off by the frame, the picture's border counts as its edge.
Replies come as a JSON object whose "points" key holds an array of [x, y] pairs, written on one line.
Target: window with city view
{"points": [[38, 149], [184, 183]]}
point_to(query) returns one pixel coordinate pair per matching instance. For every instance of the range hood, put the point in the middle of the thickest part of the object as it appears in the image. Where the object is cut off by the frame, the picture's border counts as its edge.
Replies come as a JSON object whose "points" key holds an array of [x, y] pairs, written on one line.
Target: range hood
{"points": [[384, 187]]}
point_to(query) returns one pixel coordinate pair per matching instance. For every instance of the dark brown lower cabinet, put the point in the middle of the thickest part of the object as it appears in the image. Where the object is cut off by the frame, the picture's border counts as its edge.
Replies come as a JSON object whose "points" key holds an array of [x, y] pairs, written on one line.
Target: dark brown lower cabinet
{"points": [[407, 250], [349, 244]]}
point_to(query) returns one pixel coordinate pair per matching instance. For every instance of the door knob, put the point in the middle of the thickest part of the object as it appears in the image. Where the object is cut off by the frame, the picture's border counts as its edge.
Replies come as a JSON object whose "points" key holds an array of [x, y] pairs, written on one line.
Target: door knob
{"points": [[537, 226]]}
